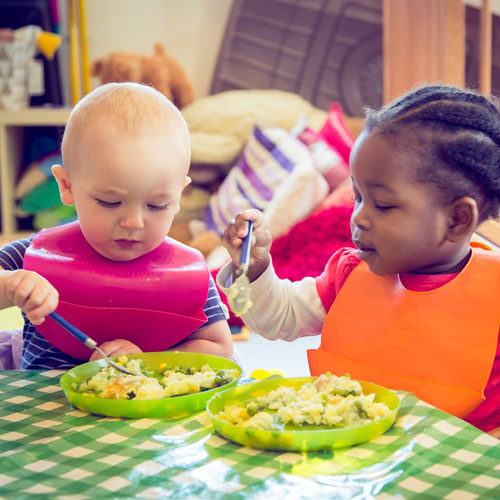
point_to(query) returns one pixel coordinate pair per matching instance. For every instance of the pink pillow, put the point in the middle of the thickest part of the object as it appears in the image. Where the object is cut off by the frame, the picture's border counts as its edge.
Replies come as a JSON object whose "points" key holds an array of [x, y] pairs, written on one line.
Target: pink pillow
{"points": [[326, 158], [342, 196], [336, 132]]}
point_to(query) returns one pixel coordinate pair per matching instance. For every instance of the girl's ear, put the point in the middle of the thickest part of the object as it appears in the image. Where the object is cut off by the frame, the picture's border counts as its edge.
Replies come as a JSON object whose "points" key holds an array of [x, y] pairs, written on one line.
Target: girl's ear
{"points": [[463, 217], [64, 183]]}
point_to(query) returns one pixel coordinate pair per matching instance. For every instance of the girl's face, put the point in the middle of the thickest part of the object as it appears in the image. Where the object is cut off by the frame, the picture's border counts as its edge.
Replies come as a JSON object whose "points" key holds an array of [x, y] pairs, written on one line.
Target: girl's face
{"points": [[398, 224], [126, 190]]}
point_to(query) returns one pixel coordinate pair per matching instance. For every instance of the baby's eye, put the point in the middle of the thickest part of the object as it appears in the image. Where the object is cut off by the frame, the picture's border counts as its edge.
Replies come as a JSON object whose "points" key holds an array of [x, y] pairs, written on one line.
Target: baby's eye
{"points": [[108, 204], [157, 208], [356, 199]]}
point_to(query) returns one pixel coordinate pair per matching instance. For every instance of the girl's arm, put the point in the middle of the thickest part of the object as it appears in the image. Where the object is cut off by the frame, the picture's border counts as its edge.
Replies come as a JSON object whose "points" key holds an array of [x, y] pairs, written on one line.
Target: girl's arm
{"points": [[280, 309]]}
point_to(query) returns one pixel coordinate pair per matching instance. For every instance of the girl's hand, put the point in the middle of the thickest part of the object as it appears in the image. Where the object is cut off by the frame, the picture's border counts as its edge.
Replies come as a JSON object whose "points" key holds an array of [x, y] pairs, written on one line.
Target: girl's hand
{"points": [[32, 293], [116, 347], [260, 244]]}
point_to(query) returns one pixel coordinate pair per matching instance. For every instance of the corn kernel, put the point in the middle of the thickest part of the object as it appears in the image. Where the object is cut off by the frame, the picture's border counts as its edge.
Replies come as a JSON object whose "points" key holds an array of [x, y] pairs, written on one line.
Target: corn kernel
{"points": [[162, 367], [122, 360]]}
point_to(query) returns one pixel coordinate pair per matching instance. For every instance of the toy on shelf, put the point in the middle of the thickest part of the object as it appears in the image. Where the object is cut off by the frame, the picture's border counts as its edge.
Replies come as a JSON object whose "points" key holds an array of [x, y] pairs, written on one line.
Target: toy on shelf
{"points": [[36, 192], [20, 74], [161, 71]]}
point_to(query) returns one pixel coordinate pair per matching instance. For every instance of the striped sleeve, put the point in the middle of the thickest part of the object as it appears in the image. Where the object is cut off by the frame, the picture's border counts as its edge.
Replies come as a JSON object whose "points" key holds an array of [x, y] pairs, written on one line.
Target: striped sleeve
{"points": [[214, 309], [12, 254]]}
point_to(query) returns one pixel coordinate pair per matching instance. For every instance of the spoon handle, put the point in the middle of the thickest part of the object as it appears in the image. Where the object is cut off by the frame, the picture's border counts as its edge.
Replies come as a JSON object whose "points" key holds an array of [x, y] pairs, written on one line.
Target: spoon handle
{"points": [[84, 339], [246, 246]]}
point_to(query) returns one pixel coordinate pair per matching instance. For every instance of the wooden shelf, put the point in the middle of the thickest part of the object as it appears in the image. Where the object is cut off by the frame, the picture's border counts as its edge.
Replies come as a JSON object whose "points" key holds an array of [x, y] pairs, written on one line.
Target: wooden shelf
{"points": [[12, 131], [34, 117]]}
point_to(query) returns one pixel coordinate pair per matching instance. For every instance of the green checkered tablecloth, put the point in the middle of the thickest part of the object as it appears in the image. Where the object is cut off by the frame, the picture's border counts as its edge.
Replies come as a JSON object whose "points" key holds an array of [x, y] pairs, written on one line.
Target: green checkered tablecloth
{"points": [[49, 449]]}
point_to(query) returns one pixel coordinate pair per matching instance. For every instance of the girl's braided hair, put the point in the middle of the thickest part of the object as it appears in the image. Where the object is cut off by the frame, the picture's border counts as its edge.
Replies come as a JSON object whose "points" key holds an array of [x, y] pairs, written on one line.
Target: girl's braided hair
{"points": [[455, 134]]}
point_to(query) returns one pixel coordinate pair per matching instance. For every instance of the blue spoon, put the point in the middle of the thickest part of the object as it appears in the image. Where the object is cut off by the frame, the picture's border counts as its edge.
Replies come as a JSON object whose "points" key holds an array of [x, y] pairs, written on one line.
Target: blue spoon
{"points": [[86, 340]]}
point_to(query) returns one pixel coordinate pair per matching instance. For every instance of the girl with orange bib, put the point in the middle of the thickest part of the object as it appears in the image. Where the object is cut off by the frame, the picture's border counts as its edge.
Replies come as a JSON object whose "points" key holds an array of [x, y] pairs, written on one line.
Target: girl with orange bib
{"points": [[415, 305]]}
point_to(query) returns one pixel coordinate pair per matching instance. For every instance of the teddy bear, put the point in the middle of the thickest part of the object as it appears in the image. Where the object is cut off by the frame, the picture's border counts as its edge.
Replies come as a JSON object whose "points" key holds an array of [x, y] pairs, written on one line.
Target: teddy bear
{"points": [[161, 71]]}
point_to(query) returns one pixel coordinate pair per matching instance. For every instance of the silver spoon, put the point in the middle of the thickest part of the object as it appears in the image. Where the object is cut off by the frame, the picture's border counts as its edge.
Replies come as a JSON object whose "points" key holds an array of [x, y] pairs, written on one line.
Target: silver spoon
{"points": [[238, 295], [86, 340]]}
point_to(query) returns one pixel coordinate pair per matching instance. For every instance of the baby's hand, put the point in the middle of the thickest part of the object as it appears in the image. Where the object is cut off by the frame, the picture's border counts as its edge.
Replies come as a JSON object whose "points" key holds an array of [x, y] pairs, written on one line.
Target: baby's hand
{"points": [[115, 348], [32, 293], [260, 245]]}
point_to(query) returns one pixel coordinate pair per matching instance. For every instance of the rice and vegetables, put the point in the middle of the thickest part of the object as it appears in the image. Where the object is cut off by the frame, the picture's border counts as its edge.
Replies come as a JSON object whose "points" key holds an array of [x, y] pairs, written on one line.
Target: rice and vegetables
{"points": [[328, 401], [149, 383]]}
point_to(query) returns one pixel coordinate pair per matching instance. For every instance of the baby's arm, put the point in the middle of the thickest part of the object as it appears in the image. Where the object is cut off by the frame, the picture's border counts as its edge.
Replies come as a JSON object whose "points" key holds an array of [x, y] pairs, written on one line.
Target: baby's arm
{"points": [[29, 291], [116, 347], [215, 338]]}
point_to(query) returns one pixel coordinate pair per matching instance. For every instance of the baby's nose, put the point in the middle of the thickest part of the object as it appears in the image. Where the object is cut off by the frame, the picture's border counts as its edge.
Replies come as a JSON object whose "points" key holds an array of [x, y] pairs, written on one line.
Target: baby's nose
{"points": [[132, 220]]}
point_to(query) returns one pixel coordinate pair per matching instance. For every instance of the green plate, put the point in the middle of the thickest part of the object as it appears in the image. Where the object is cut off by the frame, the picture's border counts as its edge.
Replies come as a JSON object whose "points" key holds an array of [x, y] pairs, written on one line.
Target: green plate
{"points": [[152, 408], [293, 437]]}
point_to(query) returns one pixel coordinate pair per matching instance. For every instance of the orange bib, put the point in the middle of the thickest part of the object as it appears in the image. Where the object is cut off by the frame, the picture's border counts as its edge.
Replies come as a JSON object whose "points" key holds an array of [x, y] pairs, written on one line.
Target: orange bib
{"points": [[439, 344]]}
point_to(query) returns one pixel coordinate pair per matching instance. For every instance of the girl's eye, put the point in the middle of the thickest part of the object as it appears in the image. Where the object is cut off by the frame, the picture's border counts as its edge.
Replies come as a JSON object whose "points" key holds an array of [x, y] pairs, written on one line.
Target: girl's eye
{"points": [[108, 204], [158, 208], [384, 207]]}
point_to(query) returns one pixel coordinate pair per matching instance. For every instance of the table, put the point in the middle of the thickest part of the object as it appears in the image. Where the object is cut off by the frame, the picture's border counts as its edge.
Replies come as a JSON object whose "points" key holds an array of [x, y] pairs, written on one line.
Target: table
{"points": [[50, 448]]}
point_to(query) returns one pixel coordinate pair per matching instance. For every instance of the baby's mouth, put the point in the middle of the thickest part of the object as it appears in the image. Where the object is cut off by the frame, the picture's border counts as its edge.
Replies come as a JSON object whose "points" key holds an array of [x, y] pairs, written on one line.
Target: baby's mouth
{"points": [[127, 243]]}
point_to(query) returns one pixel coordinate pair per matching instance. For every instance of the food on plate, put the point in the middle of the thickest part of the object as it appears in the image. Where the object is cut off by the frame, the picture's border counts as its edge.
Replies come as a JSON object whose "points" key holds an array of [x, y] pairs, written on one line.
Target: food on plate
{"points": [[327, 401], [149, 383]]}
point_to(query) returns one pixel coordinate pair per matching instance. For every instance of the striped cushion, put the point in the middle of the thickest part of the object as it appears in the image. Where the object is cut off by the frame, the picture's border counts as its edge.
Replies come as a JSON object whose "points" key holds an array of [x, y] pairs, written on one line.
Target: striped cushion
{"points": [[267, 160]]}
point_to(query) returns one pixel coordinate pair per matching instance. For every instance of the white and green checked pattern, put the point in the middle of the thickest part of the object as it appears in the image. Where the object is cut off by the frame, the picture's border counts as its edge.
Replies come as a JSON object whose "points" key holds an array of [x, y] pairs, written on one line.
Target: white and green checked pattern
{"points": [[48, 449]]}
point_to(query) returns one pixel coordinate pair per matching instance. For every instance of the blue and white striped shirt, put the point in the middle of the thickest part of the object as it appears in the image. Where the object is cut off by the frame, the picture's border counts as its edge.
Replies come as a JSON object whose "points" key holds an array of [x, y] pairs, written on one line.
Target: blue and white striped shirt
{"points": [[38, 353]]}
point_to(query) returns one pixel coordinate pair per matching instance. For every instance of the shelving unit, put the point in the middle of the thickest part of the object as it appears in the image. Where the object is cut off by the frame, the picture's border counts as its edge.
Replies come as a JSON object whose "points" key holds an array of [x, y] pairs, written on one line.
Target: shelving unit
{"points": [[12, 133]]}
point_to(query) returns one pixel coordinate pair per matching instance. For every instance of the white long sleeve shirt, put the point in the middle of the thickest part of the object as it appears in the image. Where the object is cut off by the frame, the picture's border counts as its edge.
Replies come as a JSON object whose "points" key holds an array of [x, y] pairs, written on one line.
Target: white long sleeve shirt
{"points": [[281, 309]]}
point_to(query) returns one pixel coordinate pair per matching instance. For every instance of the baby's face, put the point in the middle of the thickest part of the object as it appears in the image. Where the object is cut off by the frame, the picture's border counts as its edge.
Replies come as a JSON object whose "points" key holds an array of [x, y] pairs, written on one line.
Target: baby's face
{"points": [[127, 188]]}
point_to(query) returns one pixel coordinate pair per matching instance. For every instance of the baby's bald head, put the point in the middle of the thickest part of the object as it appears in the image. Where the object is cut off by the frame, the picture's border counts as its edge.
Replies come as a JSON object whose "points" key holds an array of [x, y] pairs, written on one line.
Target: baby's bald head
{"points": [[126, 110]]}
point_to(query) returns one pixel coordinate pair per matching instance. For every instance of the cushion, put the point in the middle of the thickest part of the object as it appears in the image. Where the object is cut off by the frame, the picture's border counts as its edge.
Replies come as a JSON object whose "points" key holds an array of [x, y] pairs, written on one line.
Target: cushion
{"points": [[342, 196], [274, 174], [336, 133], [326, 158], [221, 124]]}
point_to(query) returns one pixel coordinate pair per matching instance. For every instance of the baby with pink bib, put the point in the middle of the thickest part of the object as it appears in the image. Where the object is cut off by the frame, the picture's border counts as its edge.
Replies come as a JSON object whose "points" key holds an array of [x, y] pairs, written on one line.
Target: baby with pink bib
{"points": [[114, 273]]}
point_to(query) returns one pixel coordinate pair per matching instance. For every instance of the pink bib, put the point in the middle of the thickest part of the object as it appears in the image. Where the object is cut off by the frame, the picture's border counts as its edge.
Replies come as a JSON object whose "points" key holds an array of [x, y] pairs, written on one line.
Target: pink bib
{"points": [[154, 301]]}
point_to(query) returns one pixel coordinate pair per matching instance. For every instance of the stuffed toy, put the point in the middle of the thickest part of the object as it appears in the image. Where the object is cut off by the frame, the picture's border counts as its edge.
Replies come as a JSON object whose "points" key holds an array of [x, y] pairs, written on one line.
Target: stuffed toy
{"points": [[161, 71]]}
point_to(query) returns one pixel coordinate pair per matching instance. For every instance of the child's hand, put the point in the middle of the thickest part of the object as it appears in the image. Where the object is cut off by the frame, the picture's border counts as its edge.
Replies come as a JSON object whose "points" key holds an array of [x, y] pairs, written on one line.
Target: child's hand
{"points": [[115, 348], [260, 245], [32, 293]]}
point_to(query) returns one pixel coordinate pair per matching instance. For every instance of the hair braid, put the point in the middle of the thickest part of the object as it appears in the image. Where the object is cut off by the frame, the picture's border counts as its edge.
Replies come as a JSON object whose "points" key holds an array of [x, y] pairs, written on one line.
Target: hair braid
{"points": [[454, 131]]}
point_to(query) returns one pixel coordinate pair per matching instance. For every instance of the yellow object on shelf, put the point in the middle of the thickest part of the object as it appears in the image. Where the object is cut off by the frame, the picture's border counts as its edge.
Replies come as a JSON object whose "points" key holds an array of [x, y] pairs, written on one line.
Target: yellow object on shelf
{"points": [[47, 43], [85, 48]]}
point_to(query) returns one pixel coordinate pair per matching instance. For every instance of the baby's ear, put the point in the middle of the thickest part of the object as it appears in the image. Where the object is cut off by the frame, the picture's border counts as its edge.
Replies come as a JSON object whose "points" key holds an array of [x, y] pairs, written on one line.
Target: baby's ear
{"points": [[64, 183], [187, 181], [463, 218]]}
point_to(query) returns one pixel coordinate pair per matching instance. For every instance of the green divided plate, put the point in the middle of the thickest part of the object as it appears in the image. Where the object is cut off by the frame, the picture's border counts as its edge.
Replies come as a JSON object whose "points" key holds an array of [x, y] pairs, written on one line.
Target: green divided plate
{"points": [[152, 408], [293, 437]]}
